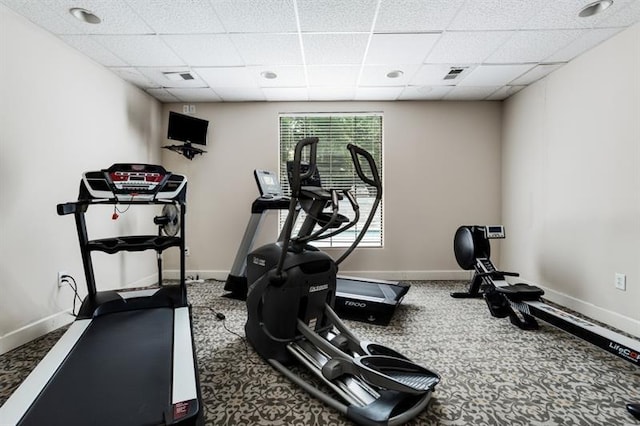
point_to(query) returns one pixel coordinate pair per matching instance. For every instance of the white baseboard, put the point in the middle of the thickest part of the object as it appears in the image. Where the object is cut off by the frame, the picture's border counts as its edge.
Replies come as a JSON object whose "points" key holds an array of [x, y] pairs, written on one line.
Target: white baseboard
{"points": [[144, 282], [612, 319], [174, 274], [43, 326], [34, 330], [204, 274]]}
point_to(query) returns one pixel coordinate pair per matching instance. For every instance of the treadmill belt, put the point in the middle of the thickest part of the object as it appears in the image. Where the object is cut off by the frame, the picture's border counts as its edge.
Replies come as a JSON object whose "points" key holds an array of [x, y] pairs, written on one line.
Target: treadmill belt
{"points": [[119, 373], [360, 288]]}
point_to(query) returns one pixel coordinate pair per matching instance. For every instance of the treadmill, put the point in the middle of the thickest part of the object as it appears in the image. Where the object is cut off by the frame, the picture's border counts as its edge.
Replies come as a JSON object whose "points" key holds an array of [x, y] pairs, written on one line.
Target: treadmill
{"points": [[359, 299], [128, 358]]}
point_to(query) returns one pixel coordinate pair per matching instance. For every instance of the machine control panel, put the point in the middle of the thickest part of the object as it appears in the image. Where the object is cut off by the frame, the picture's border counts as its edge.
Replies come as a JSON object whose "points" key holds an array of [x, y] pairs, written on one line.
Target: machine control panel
{"points": [[494, 231], [136, 180], [268, 184], [126, 182]]}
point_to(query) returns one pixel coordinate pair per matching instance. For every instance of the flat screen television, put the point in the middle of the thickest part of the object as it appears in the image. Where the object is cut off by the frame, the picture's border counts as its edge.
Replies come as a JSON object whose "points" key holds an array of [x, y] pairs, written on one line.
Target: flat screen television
{"points": [[185, 128]]}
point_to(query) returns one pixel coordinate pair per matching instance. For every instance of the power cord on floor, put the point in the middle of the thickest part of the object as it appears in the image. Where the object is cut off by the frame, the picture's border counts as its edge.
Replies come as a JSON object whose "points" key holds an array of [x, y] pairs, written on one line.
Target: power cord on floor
{"points": [[221, 317], [69, 280]]}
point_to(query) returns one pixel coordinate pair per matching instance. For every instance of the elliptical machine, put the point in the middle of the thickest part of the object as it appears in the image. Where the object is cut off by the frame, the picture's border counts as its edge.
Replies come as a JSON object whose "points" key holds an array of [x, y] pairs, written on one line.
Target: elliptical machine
{"points": [[292, 287]]}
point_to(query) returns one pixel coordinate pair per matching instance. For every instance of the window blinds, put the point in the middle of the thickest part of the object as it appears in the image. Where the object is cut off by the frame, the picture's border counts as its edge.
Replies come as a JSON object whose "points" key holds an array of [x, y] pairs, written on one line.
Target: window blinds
{"points": [[335, 131]]}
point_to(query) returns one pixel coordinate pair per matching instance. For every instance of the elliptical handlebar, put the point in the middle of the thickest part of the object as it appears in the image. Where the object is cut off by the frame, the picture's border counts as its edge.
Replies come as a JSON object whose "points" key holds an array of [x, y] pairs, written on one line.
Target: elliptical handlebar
{"points": [[376, 182], [298, 177], [276, 276]]}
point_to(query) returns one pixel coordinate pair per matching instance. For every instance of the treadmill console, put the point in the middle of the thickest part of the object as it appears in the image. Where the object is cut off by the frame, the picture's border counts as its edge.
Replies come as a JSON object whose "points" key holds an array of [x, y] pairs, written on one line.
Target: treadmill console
{"points": [[268, 184], [128, 182], [494, 231]]}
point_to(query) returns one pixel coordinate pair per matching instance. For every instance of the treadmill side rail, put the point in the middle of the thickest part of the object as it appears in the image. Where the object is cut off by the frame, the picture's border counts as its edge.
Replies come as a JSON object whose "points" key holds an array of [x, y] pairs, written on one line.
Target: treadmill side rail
{"points": [[184, 380], [21, 400]]}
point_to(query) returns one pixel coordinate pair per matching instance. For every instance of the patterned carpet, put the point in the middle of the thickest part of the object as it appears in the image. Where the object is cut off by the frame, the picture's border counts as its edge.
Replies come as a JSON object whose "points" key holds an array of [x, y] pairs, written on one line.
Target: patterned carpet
{"points": [[492, 372]]}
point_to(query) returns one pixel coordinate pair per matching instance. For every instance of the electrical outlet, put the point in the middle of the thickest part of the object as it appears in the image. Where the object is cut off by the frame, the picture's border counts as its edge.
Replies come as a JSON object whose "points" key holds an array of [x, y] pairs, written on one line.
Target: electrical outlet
{"points": [[621, 281], [60, 279], [186, 251]]}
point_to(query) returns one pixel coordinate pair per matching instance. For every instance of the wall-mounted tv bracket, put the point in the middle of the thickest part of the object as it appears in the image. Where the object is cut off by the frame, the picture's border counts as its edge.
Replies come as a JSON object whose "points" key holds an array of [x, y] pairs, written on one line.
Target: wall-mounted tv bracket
{"points": [[188, 150]]}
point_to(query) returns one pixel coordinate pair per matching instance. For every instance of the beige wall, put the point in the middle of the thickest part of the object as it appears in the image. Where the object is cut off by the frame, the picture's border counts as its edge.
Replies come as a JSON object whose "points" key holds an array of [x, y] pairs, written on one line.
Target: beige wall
{"points": [[571, 182], [60, 115], [441, 169]]}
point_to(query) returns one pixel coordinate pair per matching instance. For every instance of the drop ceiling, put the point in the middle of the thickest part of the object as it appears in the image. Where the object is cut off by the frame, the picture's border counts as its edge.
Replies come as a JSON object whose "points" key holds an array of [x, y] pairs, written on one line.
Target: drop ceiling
{"points": [[330, 49]]}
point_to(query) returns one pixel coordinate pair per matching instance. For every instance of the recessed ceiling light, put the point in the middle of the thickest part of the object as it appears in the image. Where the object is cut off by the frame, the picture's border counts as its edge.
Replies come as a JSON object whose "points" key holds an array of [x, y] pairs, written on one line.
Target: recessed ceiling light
{"points": [[269, 75], [84, 15], [395, 74], [594, 8]]}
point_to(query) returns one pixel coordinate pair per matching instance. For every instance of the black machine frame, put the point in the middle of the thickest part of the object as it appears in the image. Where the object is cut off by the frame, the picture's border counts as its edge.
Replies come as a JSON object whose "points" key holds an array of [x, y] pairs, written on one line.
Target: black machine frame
{"points": [[292, 289], [129, 355], [523, 303], [361, 299]]}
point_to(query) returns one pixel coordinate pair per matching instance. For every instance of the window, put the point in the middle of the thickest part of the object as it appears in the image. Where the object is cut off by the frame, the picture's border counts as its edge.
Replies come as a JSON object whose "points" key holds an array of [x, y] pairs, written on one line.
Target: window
{"points": [[335, 131]]}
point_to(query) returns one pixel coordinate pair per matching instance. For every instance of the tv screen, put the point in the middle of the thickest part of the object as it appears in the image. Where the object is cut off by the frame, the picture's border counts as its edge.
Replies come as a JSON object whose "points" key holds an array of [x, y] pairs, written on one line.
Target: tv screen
{"points": [[185, 128]]}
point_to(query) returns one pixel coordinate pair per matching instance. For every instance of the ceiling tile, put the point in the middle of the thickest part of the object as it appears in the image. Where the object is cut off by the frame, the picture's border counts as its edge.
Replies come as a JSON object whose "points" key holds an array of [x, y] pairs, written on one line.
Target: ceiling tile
{"points": [[338, 49], [178, 16], [535, 74], [135, 77], [377, 93], [250, 16], [564, 15], [400, 48], [162, 95], [287, 76], [116, 16], [331, 93], [157, 76], [93, 50], [286, 94], [14, 4], [415, 93], [330, 76], [194, 95], [626, 16], [240, 94], [139, 50], [50, 20], [494, 75], [532, 46], [495, 15], [336, 15], [433, 75], [466, 47], [404, 16], [583, 43], [376, 75], [260, 49], [504, 92], [204, 49], [227, 77], [470, 93]]}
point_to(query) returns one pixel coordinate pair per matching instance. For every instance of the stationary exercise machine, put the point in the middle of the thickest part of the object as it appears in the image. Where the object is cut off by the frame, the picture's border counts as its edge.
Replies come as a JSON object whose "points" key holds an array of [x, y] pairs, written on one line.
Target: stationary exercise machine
{"points": [[367, 300], [128, 358], [292, 290], [523, 304], [471, 243]]}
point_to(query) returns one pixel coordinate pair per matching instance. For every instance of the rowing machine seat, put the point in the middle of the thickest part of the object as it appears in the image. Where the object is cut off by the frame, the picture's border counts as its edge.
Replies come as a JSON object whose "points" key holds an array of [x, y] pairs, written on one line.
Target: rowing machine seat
{"points": [[521, 292]]}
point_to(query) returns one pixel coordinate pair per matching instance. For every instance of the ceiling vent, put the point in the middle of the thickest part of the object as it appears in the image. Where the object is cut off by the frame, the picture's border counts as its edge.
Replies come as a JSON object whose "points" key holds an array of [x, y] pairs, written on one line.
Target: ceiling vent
{"points": [[454, 73], [179, 76]]}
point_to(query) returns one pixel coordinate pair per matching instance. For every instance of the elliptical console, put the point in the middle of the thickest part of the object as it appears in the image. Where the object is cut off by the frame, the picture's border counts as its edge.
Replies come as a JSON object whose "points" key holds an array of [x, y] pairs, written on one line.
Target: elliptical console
{"points": [[292, 288]]}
